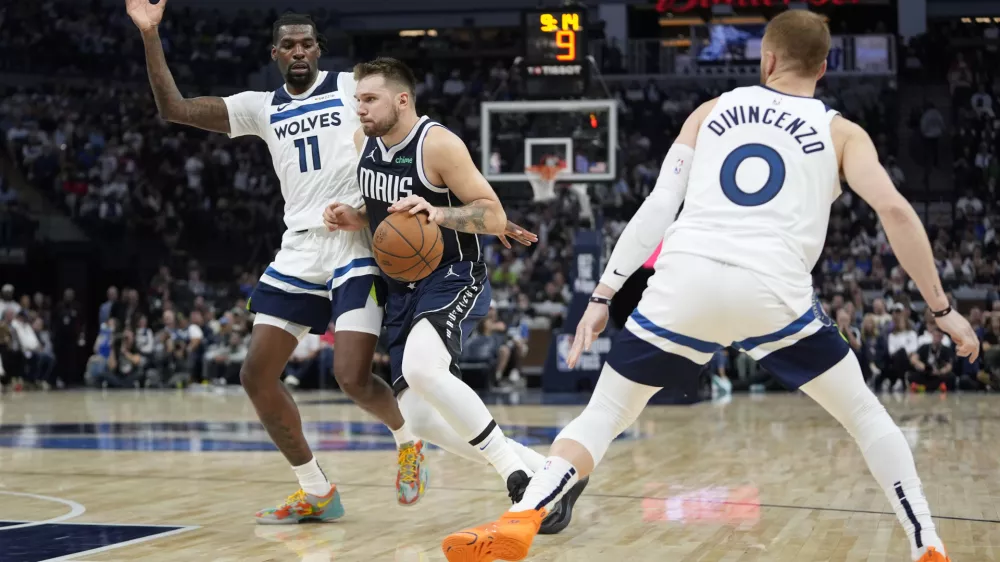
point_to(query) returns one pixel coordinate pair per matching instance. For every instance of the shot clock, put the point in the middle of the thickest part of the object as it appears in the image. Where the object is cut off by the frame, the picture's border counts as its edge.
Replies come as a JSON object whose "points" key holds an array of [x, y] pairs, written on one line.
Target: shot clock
{"points": [[555, 52]]}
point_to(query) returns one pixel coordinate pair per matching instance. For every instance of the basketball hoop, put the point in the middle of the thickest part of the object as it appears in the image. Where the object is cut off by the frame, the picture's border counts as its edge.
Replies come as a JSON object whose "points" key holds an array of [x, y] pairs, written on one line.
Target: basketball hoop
{"points": [[543, 179]]}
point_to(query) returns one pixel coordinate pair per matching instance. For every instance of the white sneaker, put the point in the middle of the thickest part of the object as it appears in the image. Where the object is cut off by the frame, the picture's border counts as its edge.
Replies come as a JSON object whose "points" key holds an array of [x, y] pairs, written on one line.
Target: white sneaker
{"points": [[292, 381]]}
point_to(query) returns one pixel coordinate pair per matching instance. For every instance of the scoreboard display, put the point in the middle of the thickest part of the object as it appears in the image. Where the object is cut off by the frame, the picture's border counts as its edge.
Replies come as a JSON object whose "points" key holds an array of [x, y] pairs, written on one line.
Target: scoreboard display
{"points": [[555, 52]]}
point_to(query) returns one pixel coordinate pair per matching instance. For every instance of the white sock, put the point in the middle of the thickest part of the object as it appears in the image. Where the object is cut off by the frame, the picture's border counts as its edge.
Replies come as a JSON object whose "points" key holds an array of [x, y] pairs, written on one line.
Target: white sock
{"points": [[549, 484], [531, 457], [498, 451], [843, 392], [312, 479], [889, 458], [403, 435]]}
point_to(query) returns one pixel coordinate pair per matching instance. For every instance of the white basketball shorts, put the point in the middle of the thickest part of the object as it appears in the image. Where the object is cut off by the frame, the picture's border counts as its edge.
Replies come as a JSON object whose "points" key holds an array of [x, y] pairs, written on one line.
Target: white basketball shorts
{"points": [[693, 306], [319, 277]]}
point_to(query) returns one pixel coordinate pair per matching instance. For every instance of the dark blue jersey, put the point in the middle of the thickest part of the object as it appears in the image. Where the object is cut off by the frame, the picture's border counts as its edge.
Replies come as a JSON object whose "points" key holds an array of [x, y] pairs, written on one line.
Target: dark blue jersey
{"points": [[388, 174]]}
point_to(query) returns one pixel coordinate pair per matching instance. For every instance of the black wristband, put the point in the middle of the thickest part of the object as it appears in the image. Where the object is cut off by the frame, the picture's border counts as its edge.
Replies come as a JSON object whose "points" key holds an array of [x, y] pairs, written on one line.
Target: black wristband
{"points": [[942, 313], [600, 300]]}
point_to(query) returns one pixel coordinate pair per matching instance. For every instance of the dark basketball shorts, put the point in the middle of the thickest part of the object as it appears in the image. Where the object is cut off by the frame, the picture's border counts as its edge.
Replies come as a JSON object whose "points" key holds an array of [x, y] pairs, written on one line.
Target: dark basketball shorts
{"points": [[453, 299]]}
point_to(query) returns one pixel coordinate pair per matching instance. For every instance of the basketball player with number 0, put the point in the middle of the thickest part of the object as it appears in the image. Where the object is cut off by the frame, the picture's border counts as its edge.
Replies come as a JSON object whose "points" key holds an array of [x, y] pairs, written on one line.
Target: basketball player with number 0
{"points": [[757, 169]]}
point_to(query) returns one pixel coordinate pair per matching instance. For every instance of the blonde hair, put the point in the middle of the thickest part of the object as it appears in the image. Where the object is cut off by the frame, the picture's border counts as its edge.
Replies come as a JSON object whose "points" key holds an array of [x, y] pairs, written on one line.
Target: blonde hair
{"points": [[802, 38]]}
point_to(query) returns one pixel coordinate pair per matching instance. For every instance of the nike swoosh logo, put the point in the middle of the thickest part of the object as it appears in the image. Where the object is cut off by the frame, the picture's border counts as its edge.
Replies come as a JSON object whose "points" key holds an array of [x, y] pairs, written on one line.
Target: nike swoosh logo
{"points": [[322, 504], [619, 274], [483, 448], [282, 107]]}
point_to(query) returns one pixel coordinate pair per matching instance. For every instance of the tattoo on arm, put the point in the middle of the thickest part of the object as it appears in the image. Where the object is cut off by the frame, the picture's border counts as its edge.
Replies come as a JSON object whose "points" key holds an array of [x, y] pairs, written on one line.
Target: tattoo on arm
{"points": [[209, 113], [477, 217]]}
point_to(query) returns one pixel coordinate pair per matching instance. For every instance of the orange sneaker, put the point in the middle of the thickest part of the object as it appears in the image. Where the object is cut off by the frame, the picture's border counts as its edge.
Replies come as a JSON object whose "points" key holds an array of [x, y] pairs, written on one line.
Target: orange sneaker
{"points": [[932, 555], [508, 538]]}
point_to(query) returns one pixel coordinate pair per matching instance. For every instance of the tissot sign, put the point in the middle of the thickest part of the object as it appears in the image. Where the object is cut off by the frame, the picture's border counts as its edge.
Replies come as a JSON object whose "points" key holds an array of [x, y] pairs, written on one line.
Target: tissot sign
{"points": [[679, 6]]}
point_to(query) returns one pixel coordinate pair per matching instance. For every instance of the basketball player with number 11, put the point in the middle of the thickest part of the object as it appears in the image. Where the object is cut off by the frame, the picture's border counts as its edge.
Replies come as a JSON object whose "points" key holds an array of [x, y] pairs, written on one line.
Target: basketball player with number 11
{"points": [[412, 164]]}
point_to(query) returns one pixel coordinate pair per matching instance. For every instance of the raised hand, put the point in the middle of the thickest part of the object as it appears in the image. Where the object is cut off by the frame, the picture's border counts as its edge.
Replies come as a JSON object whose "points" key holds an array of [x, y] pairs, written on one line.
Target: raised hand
{"points": [[144, 13], [519, 234]]}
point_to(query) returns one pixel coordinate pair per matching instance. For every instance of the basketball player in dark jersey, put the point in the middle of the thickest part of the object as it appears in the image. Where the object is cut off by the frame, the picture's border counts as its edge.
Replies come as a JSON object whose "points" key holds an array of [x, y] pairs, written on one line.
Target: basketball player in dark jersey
{"points": [[412, 164]]}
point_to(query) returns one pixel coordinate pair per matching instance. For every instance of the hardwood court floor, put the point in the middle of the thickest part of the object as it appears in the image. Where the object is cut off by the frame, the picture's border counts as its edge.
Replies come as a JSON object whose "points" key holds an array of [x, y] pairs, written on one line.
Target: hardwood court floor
{"points": [[769, 478]]}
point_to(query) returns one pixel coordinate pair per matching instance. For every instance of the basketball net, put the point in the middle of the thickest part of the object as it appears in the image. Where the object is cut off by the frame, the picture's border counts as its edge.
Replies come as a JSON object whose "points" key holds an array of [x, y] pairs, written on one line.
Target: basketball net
{"points": [[543, 178]]}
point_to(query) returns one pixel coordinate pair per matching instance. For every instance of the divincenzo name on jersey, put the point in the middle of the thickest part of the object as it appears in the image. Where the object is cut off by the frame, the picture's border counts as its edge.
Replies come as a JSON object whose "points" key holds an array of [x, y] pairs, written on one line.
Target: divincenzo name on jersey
{"points": [[802, 132]]}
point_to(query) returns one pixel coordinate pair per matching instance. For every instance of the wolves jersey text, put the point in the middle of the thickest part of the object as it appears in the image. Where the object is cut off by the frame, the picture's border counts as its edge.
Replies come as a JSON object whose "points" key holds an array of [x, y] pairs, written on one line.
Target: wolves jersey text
{"points": [[311, 140]]}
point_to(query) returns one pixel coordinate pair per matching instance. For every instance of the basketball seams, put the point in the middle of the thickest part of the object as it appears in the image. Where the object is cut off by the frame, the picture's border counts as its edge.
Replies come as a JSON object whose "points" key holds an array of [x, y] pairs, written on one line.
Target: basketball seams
{"points": [[418, 253]]}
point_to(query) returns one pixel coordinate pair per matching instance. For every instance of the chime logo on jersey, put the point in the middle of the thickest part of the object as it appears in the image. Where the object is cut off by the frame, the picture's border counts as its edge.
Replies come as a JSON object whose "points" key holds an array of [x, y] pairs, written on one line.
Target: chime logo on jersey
{"points": [[384, 187]]}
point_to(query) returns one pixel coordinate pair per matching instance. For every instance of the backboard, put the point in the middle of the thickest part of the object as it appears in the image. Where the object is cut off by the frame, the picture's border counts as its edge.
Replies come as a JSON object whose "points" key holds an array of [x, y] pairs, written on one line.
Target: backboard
{"points": [[517, 135]]}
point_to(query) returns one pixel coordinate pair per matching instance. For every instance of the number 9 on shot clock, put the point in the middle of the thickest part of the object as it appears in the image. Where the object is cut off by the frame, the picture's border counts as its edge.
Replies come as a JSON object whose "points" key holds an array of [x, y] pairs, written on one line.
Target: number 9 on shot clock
{"points": [[555, 52]]}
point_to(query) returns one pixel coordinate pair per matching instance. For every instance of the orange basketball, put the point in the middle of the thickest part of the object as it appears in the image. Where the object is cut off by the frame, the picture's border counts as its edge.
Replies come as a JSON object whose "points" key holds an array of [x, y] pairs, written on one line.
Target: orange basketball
{"points": [[408, 247]]}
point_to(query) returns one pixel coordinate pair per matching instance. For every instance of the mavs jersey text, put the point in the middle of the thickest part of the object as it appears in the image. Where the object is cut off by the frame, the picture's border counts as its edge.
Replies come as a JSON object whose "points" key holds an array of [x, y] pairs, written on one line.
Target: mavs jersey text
{"points": [[457, 294], [764, 175], [388, 174], [311, 140]]}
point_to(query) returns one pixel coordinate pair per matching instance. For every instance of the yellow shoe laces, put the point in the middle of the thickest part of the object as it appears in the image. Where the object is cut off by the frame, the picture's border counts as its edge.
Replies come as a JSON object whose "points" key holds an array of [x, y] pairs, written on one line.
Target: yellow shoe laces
{"points": [[408, 464], [295, 498]]}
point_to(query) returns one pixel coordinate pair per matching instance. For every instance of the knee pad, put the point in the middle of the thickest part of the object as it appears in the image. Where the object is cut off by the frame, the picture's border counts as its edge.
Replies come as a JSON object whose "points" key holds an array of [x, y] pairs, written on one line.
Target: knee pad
{"points": [[870, 422], [425, 357], [613, 408]]}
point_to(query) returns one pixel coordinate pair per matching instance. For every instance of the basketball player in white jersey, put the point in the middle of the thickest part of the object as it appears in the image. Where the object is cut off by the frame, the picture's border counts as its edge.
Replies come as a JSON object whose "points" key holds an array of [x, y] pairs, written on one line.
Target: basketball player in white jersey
{"points": [[317, 276], [757, 170]]}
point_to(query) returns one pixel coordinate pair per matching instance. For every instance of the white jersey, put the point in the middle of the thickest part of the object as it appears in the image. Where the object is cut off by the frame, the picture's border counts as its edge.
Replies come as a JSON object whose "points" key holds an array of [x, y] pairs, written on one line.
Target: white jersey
{"points": [[764, 175], [311, 140]]}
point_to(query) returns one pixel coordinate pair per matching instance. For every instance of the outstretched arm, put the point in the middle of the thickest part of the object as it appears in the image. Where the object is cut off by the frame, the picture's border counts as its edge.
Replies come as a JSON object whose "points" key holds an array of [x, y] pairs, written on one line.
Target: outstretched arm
{"points": [[207, 113], [906, 234], [646, 228], [643, 232]]}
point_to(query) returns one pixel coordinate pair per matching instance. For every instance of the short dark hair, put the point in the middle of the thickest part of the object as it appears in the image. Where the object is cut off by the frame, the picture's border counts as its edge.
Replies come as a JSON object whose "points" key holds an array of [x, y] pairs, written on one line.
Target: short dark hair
{"points": [[391, 69], [802, 37], [291, 18]]}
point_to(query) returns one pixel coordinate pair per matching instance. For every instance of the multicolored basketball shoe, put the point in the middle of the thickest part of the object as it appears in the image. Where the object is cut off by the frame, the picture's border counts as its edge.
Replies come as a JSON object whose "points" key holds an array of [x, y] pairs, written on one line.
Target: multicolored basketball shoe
{"points": [[301, 506], [411, 480]]}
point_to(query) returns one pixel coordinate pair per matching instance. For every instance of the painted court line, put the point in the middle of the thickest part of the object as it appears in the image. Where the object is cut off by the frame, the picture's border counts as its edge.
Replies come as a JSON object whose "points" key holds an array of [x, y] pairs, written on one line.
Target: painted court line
{"points": [[139, 540], [75, 510]]}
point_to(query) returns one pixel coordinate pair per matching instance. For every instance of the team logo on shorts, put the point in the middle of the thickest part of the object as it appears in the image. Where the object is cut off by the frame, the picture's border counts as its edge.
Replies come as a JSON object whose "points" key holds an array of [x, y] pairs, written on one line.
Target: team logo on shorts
{"points": [[819, 313], [677, 168]]}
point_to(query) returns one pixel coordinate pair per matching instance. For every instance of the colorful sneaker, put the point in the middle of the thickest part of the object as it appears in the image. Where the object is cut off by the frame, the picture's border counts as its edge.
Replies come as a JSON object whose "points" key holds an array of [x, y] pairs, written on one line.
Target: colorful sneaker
{"points": [[932, 555], [508, 538], [301, 506], [411, 480]]}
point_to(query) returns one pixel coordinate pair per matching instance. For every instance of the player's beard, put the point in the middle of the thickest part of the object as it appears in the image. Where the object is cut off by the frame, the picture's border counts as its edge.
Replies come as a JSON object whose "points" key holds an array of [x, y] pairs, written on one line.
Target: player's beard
{"points": [[382, 128], [299, 81]]}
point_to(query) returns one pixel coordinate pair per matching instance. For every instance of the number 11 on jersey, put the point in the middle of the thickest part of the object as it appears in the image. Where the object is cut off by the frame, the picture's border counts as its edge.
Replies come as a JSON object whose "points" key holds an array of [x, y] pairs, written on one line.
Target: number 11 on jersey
{"points": [[314, 145]]}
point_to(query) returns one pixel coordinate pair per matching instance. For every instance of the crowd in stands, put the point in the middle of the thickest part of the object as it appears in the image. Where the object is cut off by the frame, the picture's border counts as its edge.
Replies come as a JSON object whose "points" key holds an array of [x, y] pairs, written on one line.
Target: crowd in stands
{"points": [[102, 154]]}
